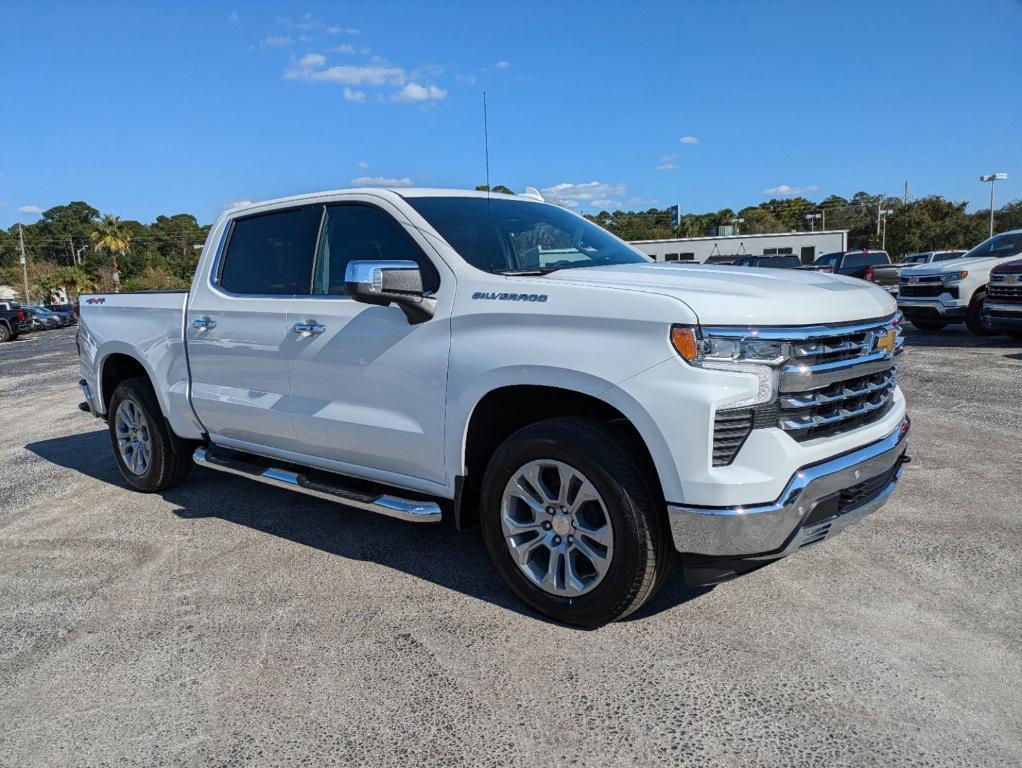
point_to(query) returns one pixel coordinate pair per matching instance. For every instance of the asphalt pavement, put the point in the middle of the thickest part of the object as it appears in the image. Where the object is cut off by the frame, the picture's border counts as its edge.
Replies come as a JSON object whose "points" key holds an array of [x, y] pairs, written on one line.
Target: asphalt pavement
{"points": [[226, 623]]}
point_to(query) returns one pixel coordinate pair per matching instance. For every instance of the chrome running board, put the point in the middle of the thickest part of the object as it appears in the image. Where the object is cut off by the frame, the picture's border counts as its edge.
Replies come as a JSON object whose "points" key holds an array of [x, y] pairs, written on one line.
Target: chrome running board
{"points": [[391, 506]]}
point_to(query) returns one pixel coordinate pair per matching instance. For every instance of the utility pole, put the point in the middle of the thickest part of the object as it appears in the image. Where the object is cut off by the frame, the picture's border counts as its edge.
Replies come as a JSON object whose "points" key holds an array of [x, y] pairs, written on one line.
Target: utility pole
{"points": [[883, 240], [905, 199], [24, 263], [992, 177]]}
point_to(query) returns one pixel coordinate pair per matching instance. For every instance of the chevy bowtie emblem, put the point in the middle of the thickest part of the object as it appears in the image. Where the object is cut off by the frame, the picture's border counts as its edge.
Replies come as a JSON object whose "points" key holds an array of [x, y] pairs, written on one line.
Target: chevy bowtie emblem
{"points": [[1012, 278], [913, 280], [885, 342]]}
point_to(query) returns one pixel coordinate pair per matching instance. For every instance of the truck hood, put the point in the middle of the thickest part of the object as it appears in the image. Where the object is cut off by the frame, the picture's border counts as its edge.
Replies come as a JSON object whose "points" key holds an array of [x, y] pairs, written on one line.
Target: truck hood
{"points": [[973, 264], [722, 295], [1010, 267]]}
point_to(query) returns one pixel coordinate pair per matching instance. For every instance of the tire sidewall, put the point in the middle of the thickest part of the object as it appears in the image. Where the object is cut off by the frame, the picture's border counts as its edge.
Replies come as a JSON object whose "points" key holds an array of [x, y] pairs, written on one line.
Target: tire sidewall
{"points": [[5, 334], [974, 318], [591, 608], [149, 479]]}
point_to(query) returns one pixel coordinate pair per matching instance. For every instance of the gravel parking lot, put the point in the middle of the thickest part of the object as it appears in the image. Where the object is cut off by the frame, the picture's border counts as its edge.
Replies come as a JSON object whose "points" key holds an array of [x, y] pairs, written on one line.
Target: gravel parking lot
{"points": [[227, 623]]}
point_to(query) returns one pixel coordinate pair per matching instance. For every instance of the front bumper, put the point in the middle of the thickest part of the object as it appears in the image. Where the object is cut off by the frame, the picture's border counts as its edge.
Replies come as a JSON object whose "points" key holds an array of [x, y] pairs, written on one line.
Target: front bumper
{"points": [[931, 309], [1003, 317], [819, 500]]}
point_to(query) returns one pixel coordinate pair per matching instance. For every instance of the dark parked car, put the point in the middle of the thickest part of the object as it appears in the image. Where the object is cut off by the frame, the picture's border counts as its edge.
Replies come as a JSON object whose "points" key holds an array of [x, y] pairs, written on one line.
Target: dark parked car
{"points": [[771, 262], [852, 263], [14, 320], [1002, 308], [64, 309], [67, 316], [45, 320], [889, 275]]}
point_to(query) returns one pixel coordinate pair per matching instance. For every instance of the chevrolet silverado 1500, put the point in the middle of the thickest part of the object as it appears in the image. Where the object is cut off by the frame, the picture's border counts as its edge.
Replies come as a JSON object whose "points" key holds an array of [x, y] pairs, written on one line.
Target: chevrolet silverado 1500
{"points": [[500, 360]]}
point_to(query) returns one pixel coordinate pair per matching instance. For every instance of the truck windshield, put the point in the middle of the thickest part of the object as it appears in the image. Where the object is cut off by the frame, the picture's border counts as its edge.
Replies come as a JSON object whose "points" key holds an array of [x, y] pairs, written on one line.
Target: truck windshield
{"points": [[506, 236], [998, 246]]}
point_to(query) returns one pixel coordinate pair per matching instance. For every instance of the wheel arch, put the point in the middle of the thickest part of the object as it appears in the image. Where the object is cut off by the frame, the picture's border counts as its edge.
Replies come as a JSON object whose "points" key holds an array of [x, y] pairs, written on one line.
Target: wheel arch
{"points": [[502, 410], [118, 365]]}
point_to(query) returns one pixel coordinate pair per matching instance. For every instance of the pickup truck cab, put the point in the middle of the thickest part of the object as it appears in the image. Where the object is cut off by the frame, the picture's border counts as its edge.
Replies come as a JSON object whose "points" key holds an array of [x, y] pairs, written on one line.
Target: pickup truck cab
{"points": [[935, 295], [769, 262], [852, 263], [1002, 309], [498, 360]]}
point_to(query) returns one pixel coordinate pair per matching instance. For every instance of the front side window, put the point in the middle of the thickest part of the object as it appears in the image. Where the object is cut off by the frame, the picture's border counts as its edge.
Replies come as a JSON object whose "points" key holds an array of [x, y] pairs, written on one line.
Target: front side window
{"points": [[364, 233], [271, 254], [949, 255], [827, 261], [506, 236]]}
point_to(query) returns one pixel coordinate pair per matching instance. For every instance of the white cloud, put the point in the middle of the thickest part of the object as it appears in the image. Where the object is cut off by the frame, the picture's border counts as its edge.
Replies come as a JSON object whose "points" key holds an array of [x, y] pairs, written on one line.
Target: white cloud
{"points": [[689, 140], [666, 167], [585, 194], [277, 41], [312, 60], [381, 181], [668, 158], [32, 210], [363, 164], [237, 203], [465, 78], [414, 92], [784, 190], [605, 204], [502, 64], [373, 74], [336, 29], [344, 48], [352, 95], [233, 17]]}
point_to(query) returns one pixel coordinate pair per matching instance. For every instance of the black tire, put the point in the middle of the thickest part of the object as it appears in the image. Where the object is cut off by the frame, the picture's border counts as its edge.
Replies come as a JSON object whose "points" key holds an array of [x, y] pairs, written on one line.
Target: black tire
{"points": [[170, 459], [643, 549], [1014, 335], [5, 333], [974, 316], [929, 326]]}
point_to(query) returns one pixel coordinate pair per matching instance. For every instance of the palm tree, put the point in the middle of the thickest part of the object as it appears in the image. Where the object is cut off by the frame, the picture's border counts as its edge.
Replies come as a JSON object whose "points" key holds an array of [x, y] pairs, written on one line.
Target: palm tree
{"points": [[111, 236]]}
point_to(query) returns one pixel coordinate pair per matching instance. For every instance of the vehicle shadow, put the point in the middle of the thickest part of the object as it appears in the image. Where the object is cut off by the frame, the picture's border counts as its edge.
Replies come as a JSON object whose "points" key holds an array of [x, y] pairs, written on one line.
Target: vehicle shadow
{"points": [[456, 560], [956, 337]]}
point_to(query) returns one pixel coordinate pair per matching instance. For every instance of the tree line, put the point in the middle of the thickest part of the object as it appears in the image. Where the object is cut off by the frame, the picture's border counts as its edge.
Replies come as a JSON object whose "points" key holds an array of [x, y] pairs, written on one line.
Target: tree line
{"points": [[76, 248]]}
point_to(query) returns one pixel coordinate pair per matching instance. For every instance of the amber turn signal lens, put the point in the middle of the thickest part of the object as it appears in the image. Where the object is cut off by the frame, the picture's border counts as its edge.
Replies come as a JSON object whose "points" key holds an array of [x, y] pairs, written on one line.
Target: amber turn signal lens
{"points": [[684, 341]]}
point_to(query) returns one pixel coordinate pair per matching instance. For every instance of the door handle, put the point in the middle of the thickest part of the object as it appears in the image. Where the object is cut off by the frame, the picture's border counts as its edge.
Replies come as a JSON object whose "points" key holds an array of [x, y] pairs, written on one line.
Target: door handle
{"points": [[308, 328], [204, 324]]}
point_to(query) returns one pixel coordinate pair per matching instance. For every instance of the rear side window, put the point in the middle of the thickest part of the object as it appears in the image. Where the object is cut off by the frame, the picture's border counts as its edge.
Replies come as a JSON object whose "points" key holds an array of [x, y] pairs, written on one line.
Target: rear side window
{"points": [[364, 233], [866, 259], [271, 254]]}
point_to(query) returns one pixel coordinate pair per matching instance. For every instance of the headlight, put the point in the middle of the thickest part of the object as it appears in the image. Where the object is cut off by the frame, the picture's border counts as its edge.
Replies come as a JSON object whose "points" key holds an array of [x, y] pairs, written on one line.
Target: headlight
{"points": [[698, 348], [741, 354], [953, 277]]}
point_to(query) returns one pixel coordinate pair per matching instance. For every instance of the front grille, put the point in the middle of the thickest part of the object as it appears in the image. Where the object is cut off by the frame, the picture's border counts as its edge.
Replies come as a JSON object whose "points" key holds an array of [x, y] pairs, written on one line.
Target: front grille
{"points": [[1007, 293], [922, 291], [838, 407], [730, 431]]}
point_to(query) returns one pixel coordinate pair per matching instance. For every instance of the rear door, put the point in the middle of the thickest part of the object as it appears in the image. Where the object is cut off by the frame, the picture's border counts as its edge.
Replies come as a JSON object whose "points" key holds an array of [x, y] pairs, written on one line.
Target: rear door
{"points": [[237, 331], [368, 387]]}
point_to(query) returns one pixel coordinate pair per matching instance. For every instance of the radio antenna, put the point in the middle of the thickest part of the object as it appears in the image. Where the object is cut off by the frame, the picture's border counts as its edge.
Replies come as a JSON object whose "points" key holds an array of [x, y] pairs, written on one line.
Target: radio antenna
{"points": [[486, 144]]}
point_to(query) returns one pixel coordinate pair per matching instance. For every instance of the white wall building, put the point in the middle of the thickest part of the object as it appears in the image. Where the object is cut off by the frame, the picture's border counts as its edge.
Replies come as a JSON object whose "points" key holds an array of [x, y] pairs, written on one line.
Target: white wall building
{"points": [[808, 246]]}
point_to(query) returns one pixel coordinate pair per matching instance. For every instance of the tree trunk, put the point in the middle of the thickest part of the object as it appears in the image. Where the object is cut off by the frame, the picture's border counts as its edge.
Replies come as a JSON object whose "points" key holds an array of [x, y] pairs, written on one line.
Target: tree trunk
{"points": [[116, 276]]}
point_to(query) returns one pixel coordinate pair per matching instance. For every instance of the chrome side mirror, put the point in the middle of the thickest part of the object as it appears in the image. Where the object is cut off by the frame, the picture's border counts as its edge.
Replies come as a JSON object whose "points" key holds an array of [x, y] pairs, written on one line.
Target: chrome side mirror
{"points": [[390, 282]]}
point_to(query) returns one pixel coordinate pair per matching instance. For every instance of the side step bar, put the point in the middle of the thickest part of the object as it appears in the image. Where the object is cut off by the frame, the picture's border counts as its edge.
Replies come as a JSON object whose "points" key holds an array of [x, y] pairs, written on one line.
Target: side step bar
{"points": [[391, 506]]}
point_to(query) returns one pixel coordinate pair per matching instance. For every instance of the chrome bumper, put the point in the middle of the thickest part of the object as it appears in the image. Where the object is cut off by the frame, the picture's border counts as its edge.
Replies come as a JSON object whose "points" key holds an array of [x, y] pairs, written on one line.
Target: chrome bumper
{"points": [[989, 306], [776, 529], [944, 310]]}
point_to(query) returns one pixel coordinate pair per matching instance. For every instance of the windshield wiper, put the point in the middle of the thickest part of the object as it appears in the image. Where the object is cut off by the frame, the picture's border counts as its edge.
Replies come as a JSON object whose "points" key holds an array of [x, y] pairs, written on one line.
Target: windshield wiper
{"points": [[524, 272]]}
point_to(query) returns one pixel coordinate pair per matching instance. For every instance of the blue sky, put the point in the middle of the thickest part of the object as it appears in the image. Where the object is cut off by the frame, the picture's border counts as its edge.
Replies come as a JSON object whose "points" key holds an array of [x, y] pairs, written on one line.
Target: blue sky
{"points": [[148, 108]]}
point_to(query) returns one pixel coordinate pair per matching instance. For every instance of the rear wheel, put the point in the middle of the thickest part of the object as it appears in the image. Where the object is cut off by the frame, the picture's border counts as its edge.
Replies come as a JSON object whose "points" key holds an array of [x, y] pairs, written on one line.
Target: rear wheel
{"points": [[572, 523], [1016, 335], [930, 326], [974, 318], [150, 457]]}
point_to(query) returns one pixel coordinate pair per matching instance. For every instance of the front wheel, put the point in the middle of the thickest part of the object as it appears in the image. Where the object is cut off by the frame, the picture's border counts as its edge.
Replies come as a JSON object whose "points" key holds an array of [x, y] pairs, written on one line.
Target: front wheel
{"points": [[974, 318], [5, 334], [150, 457], [573, 524]]}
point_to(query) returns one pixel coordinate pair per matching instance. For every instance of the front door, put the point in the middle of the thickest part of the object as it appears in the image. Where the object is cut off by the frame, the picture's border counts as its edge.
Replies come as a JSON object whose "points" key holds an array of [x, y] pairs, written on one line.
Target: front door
{"points": [[237, 330], [368, 387]]}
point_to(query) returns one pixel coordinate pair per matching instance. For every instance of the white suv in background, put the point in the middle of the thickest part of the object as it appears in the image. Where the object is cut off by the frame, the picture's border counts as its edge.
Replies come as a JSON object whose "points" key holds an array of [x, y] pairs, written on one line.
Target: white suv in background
{"points": [[934, 295]]}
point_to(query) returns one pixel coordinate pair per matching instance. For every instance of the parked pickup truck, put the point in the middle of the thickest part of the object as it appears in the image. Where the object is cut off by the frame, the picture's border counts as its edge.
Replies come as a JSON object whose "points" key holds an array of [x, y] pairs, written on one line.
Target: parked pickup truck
{"points": [[889, 275], [496, 359], [1003, 306], [851, 263], [14, 320], [934, 295]]}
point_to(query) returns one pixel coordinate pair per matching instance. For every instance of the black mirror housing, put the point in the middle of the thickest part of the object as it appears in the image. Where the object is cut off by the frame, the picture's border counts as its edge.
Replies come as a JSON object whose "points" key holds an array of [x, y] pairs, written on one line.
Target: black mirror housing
{"points": [[390, 282]]}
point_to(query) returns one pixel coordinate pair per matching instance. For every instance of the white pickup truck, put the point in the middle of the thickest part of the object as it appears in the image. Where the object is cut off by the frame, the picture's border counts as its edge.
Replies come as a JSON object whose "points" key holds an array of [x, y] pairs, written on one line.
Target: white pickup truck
{"points": [[496, 359], [933, 295]]}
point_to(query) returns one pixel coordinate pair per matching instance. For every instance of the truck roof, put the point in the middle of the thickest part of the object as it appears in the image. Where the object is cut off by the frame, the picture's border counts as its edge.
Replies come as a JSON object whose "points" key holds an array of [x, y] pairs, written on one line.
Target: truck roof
{"points": [[401, 191]]}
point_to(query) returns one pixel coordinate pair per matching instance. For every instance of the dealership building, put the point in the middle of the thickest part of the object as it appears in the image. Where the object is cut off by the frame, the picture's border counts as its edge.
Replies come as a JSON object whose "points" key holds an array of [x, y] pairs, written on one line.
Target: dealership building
{"points": [[808, 246]]}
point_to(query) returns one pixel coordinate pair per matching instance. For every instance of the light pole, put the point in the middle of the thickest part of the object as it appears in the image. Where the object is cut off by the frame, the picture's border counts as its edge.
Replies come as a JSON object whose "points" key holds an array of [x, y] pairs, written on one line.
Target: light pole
{"points": [[736, 222], [811, 218], [883, 239], [992, 177]]}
